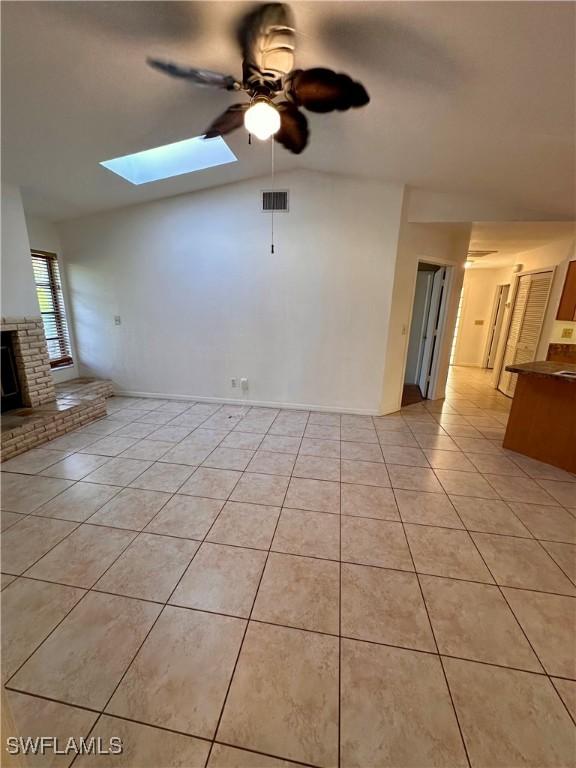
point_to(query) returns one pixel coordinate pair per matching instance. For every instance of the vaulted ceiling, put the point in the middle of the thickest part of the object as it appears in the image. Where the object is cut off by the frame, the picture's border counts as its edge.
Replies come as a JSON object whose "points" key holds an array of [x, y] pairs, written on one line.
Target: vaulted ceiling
{"points": [[465, 97]]}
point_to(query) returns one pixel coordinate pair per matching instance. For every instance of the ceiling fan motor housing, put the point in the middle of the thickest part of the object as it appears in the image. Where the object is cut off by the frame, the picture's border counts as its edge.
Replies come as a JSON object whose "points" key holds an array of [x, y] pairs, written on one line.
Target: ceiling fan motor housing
{"points": [[267, 40]]}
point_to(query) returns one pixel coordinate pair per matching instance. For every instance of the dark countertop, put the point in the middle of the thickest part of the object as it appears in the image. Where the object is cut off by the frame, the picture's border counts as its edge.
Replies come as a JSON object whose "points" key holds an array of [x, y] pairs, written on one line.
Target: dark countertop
{"points": [[544, 368]]}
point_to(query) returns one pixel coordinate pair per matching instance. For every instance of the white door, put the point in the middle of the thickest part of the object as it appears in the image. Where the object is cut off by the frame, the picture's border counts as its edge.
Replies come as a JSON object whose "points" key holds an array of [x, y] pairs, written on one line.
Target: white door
{"points": [[423, 325], [526, 323], [432, 328], [496, 324]]}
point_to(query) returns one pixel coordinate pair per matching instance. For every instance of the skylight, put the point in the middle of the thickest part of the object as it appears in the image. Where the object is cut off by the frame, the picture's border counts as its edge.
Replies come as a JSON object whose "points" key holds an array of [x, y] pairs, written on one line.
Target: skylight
{"points": [[172, 160]]}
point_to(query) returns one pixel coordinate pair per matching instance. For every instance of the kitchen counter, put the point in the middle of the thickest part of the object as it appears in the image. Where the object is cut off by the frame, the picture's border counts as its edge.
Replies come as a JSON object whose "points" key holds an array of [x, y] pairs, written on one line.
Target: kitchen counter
{"points": [[542, 421], [544, 368]]}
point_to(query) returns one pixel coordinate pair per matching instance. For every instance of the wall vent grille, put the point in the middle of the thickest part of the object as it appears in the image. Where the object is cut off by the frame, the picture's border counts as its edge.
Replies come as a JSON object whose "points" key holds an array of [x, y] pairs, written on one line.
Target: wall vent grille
{"points": [[275, 200], [480, 254]]}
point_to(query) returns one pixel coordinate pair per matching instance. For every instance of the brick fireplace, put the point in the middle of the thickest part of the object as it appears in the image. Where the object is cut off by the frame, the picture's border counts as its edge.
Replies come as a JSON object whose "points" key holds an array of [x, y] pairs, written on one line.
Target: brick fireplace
{"points": [[46, 411], [31, 360]]}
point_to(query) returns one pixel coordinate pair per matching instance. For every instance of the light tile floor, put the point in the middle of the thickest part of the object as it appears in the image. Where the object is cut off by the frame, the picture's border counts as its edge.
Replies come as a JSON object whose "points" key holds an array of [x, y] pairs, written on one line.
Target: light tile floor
{"points": [[230, 586]]}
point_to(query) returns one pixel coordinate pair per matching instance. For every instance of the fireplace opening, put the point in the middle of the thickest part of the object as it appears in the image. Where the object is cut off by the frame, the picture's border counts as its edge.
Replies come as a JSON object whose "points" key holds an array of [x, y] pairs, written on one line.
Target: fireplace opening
{"points": [[11, 392]]}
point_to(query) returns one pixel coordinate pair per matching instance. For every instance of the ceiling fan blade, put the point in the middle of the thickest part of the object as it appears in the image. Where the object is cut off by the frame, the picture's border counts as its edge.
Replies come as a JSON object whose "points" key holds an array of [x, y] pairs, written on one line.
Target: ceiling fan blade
{"points": [[227, 122], [205, 77], [322, 90], [267, 40], [293, 133]]}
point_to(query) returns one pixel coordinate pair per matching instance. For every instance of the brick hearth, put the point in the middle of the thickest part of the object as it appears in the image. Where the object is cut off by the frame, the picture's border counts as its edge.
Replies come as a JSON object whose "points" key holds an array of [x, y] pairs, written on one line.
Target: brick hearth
{"points": [[48, 411]]}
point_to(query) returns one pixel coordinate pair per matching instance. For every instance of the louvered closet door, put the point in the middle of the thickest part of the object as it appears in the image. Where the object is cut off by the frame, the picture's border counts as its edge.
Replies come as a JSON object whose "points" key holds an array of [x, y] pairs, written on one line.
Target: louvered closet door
{"points": [[526, 323]]}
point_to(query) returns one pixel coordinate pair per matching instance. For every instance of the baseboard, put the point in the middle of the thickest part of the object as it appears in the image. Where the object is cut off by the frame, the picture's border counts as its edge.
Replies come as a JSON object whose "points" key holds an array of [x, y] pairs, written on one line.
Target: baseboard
{"points": [[257, 403], [390, 407]]}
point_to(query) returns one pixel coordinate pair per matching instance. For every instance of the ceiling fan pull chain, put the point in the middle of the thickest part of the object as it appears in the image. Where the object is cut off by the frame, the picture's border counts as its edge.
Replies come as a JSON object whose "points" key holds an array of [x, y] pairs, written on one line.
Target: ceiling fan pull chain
{"points": [[272, 211]]}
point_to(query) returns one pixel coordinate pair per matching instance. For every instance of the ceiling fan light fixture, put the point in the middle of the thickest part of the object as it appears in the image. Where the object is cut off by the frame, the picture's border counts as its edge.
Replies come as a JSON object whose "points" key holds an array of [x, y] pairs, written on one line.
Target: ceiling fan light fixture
{"points": [[267, 43], [262, 119]]}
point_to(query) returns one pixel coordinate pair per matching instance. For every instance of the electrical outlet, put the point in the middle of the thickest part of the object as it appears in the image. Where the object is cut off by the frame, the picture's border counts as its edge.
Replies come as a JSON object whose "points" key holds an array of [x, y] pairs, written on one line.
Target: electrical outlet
{"points": [[233, 383], [117, 320], [567, 333], [244, 384]]}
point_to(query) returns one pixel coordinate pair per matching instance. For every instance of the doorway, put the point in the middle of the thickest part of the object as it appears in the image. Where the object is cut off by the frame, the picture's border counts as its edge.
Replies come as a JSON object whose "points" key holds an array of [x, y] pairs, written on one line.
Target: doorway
{"points": [[428, 312], [495, 327], [525, 327]]}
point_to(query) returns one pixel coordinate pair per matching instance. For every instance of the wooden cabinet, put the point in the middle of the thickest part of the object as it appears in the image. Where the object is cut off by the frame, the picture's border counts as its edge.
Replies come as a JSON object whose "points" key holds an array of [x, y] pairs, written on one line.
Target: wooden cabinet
{"points": [[542, 422], [567, 307]]}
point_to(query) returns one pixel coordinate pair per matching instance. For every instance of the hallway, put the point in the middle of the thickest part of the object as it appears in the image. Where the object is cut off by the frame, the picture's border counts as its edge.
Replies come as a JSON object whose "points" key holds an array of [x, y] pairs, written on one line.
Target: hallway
{"points": [[474, 385]]}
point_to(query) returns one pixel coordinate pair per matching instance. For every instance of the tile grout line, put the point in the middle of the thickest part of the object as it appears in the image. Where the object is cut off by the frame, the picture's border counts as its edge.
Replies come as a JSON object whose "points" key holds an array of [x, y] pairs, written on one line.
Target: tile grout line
{"points": [[266, 754], [524, 475], [407, 540], [571, 715], [340, 610], [87, 590], [570, 578], [216, 729], [98, 718], [147, 635], [378, 643], [531, 537], [314, 557], [502, 592], [411, 649], [546, 673], [78, 526], [269, 550], [315, 631], [121, 488]]}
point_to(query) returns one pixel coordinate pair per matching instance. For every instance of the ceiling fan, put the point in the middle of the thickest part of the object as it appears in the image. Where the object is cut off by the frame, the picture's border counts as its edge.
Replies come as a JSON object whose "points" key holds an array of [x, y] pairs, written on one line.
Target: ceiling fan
{"points": [[275, 89]]}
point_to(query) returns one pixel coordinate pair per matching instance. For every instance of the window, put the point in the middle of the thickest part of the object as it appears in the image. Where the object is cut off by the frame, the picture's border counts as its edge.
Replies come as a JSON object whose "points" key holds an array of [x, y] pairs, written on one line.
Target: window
{"points": [[51, 301], [186, 156]]}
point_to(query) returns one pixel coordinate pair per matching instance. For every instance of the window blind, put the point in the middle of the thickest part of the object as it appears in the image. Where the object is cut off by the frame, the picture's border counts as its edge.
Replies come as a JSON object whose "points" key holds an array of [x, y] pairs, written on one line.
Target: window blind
{"points": [[51, 301]]}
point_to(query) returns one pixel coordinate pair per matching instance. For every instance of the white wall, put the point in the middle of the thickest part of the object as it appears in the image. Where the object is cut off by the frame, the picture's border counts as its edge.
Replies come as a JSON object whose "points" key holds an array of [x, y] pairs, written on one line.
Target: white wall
{"points": [[550, 255], [202, 299], [18, 289], [428, 206], [43, 236], [479, 289], [443, 244]]}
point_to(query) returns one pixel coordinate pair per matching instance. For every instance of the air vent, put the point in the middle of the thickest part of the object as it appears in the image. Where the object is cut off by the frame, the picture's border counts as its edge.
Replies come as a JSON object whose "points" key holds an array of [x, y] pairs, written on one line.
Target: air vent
{"points": [[480, 254], [275, 200]]}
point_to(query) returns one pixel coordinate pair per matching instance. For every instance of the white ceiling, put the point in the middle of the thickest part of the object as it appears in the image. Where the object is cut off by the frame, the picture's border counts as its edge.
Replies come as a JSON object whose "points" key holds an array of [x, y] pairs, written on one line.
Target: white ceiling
{"points": [[466, 96], [509, 239]]}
